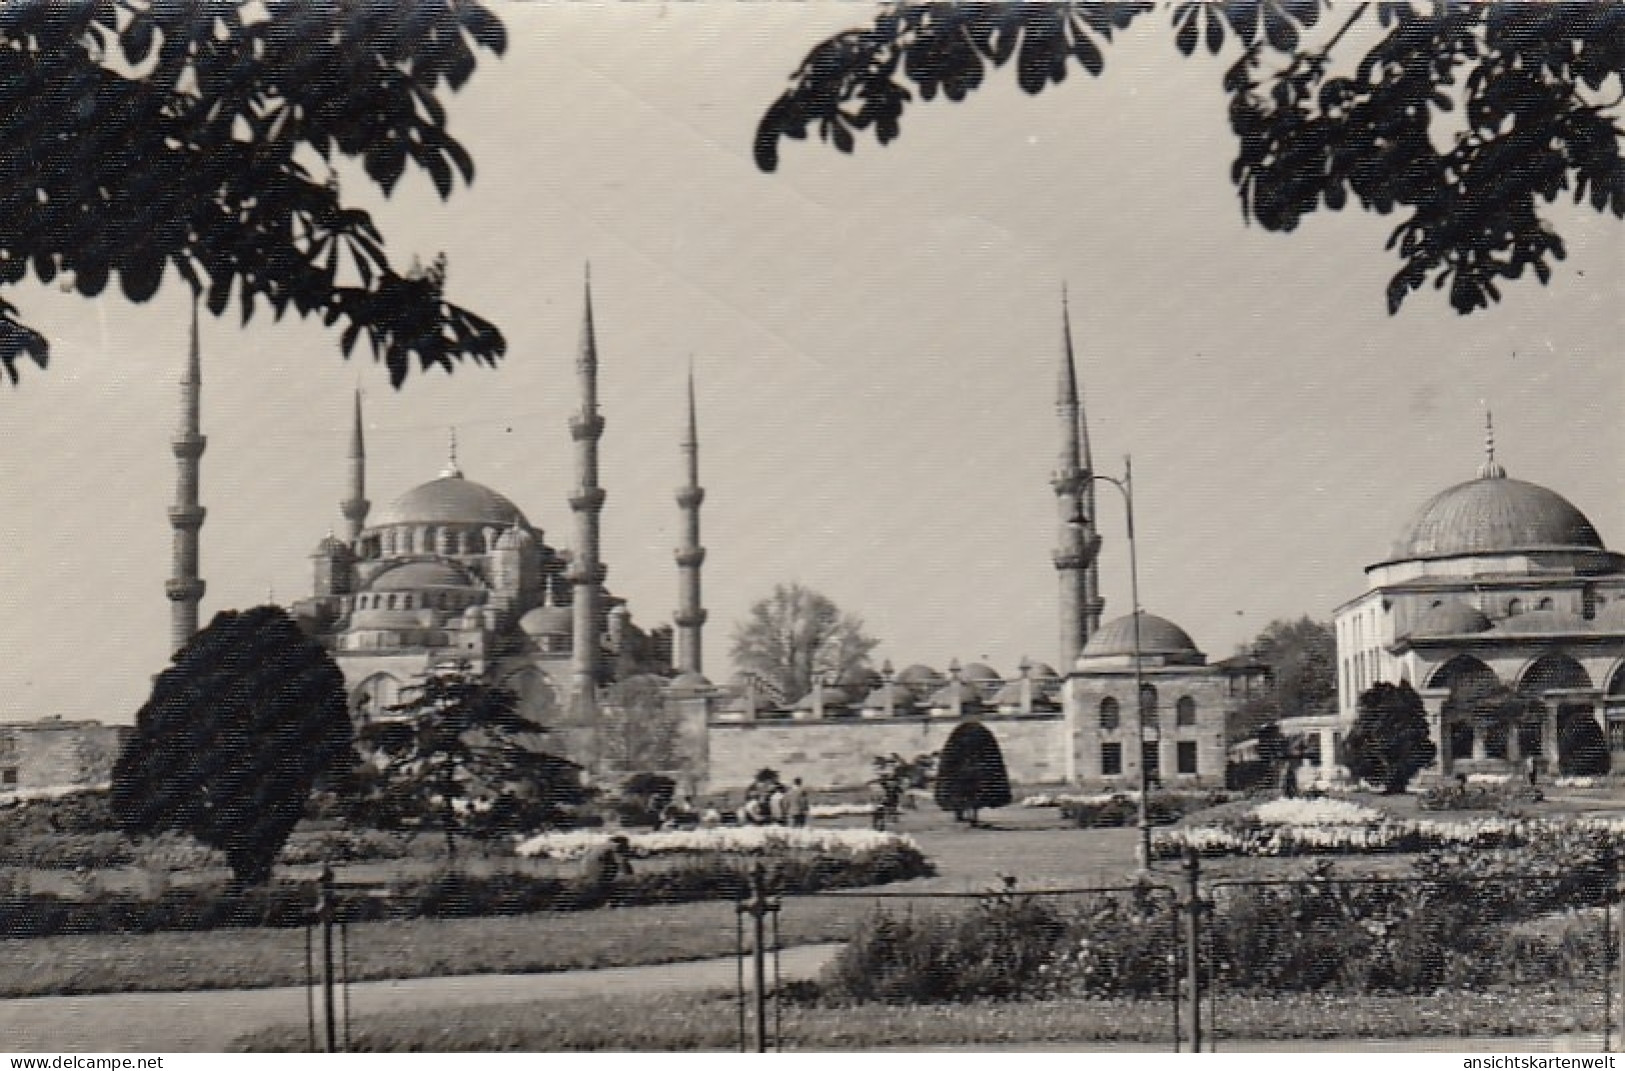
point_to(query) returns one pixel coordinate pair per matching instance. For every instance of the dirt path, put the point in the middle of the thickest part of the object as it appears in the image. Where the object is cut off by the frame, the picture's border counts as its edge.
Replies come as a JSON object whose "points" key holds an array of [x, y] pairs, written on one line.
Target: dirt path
{"points": [[207, 1021]]}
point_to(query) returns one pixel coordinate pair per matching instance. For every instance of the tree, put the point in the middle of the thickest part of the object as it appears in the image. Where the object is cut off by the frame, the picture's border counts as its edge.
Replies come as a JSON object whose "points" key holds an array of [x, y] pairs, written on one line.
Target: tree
{"points": [[236, 734], [970, 772], [457, 751], [1302, 657], [796, 633], [638, 731], [1389, 743], [140, 136], [1466, 117]]}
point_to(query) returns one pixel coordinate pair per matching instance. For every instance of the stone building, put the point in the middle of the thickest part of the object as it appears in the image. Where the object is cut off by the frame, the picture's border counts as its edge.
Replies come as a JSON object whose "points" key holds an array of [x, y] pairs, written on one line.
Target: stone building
{"points": [[51, 755], [1502, 606]]}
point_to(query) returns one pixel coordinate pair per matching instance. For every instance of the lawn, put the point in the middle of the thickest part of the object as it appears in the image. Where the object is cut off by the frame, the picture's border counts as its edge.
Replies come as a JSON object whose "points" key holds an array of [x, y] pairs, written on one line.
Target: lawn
{"points": [[710, 1021]]}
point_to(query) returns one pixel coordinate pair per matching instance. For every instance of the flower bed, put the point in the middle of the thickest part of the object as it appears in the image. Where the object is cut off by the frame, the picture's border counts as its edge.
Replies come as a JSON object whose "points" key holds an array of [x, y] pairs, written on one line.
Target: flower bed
{"points": [[1256, 838], [741, 840], [840, 810]]}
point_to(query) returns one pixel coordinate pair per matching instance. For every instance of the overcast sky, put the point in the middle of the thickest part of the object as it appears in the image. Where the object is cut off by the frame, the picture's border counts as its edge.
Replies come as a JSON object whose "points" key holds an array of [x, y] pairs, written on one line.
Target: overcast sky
{"points": [[875, 340]]}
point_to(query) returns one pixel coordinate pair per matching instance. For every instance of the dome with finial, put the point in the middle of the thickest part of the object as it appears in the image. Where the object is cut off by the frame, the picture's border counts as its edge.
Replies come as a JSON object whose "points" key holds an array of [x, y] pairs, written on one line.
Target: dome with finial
{"points": [[452, 498], [1494, 514]]}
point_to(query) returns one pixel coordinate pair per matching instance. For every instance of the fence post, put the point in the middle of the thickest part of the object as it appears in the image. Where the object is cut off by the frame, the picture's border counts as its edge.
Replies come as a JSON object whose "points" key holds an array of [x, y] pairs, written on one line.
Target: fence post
{"points": [[758, 907], [1193, 938], [1619, 899], [324, 914]]}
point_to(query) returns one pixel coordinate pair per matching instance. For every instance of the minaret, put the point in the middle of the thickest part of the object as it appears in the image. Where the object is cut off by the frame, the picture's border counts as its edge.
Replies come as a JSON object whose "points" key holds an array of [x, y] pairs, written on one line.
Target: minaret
{"points": [[1077, 541], [586, 574], [690, 617], [356, 506], [185, 587]]}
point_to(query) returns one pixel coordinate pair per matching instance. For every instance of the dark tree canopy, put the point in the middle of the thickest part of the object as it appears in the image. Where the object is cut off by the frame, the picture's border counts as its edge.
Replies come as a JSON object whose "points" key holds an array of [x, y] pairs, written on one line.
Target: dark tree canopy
{"points": [[1302, 657], [1465, 117], [238, 731], [139, 137], [457, 751], [970, 772], [796, 633], [1389, 743]]}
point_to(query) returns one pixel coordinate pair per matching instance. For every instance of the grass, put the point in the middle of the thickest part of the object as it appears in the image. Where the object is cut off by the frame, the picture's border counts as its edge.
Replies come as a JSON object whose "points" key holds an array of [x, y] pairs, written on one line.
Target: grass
{"points": [[709, 1021]]}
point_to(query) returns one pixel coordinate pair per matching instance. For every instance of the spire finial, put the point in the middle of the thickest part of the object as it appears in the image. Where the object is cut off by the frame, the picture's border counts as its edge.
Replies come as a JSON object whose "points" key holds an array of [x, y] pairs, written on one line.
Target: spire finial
{"points": [[1491, 469], [451, 469]]}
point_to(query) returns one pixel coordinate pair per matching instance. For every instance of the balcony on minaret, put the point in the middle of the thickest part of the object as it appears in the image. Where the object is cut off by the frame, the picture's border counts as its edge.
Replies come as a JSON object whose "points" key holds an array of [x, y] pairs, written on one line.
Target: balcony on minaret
{"points": [[588, 499], [187, 516], [689, 557], [690, 497], [188, 446], [586, 426], [576, 573], [184, 589], [690, 619]]}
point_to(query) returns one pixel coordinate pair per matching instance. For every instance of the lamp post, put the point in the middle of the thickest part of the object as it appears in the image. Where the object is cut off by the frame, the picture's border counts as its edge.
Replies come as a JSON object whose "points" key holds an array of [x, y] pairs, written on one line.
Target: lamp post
{"points": [[1126, 487]]}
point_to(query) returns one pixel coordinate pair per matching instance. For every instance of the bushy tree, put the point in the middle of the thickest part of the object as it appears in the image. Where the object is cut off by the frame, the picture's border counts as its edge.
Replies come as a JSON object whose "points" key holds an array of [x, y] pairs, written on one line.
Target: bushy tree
{"points": [[456, 751], [1389, 743], [138, 137], [796, 633], [1464, 117], [970, 773], [638, 731], [237, 732], [1302, 658]]}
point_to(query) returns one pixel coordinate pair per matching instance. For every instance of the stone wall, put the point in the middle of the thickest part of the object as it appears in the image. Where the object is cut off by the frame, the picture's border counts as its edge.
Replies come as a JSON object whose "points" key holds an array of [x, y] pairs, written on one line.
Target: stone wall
{"points": [[1210, 699], [837, 753], [54, 754]]}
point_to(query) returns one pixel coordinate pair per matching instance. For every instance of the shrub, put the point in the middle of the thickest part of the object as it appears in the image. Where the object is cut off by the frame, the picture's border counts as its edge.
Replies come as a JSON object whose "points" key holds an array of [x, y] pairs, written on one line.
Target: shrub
{"points": [[1456, 796]]}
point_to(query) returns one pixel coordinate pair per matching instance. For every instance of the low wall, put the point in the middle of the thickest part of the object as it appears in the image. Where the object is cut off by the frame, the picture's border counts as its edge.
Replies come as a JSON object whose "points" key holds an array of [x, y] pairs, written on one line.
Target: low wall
{"points": [[840, 753]]}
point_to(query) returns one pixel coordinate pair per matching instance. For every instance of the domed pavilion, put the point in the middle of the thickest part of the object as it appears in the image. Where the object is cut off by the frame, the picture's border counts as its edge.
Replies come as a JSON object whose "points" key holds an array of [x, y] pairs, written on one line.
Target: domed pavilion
{"points": [[1501, 605]]}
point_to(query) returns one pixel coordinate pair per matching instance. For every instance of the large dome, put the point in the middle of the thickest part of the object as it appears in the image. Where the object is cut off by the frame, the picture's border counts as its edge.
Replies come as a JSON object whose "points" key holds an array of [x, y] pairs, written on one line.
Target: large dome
{"points": [[1495, 515], [450, 500], [1158, 636]]}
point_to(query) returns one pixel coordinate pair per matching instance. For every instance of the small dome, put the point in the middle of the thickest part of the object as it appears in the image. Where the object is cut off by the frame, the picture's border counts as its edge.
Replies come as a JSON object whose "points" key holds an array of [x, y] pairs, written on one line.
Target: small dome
{"points": [[1043, 671], [859, 679], [332, 546], [515, 538], [901, 697], [968, 694], [1451, 618], [1495, 515], [414, 576], [1545, 621], [547, 621], [833, 697], [450, 500], [1158, 636], [919, 674], [1010, 694], [979, 672]]}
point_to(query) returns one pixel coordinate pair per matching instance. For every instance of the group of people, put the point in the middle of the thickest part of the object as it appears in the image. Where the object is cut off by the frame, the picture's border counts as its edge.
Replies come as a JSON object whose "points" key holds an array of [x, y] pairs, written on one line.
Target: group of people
{"points": [[771, 803]]}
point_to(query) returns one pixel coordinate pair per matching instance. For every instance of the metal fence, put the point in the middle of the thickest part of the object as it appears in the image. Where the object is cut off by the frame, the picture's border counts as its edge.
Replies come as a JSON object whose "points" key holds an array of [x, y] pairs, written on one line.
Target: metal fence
{"points": [[1205, 949]]}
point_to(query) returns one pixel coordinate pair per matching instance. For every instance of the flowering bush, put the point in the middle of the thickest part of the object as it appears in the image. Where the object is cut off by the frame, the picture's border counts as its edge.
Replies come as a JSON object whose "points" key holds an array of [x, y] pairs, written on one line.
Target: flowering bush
{"points": [[1576, 782], [1388, 835], [1477, 796], [741, 840], [1315, 812], [840, 810]]}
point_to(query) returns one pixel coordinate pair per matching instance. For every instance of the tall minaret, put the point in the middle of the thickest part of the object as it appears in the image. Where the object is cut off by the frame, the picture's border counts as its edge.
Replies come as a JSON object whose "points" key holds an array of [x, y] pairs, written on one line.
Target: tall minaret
{"points": [[1077, 541], [690, 617], [356, 506], [586, 573], [185, 587]]}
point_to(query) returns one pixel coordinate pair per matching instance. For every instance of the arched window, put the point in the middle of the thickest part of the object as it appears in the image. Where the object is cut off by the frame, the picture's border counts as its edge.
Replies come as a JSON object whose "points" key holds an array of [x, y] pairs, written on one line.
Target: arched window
{"points": [[1108, 713], [392, 602], [1185, 711], [1148, 704], [1544, 604], [1515, 607]]}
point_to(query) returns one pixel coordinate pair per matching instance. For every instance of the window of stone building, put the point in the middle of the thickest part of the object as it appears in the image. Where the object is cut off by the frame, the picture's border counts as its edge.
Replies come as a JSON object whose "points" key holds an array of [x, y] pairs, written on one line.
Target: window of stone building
{"points": [[1185, 754], [1616, 735], [1515, 607], [1111, 759], [8, 776], [1151, 758], [1545, 604], [1108, 713], [1185, 711]]}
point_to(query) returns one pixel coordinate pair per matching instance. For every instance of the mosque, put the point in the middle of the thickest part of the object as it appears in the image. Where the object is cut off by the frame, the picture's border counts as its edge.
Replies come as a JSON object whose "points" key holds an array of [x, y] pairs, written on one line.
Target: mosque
{"points": [[1501, 605]]}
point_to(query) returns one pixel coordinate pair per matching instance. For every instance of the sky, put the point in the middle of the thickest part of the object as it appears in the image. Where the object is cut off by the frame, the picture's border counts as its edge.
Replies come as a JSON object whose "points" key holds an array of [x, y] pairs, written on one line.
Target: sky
{"points": [[874, 340]]}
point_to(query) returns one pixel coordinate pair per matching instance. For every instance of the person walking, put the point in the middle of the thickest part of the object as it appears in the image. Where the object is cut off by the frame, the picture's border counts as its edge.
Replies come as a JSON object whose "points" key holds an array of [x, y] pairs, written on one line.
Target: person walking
{"points": [[797, 804], [606, 863]]}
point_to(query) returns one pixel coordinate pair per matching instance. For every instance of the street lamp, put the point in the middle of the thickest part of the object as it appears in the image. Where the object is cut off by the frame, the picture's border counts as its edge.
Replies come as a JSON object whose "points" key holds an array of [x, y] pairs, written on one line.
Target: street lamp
{"points": [[1126, 487]]}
